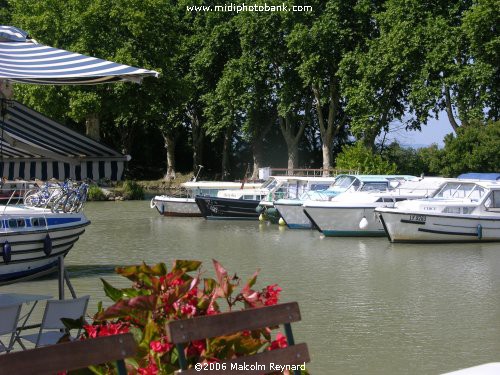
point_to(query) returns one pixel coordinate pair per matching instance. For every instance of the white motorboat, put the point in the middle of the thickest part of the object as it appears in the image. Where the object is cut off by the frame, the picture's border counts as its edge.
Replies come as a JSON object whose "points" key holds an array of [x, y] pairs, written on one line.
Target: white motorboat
{"points": [[292, 210], [461, 211], [352, 213], [290, 189], [185, 204]]}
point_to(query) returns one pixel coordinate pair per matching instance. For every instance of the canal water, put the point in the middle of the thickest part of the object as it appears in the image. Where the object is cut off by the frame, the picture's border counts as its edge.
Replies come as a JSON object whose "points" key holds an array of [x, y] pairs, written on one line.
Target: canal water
{"points": [[368, 306]]}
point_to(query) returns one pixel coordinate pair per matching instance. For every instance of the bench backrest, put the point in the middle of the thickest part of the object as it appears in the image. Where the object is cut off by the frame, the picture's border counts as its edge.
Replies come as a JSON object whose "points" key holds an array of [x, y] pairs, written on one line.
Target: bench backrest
{"points": [[70, 356], [180, 332]]}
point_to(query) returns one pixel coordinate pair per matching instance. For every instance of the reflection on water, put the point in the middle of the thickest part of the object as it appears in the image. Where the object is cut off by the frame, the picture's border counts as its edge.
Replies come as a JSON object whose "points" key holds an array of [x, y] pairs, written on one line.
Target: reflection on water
{"points": [[368, 306]]}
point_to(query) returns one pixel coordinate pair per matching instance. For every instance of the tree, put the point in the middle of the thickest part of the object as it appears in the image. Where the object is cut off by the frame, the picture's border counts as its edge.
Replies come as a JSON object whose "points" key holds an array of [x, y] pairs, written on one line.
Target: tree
{"points": [[473, 149], [322, 39]]}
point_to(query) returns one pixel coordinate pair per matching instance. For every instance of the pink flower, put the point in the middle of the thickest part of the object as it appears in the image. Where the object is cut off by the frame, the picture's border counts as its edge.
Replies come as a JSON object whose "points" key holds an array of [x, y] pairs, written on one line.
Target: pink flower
{"points": [[188, 310], [91, 331], [280, 342], [271, 294], [196, 348], [152, 369], [159, 347]]}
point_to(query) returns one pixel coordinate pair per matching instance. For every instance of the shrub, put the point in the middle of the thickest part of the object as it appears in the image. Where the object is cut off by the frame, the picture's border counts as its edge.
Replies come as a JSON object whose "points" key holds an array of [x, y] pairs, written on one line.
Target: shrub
{"points": [[158, 296], [95, 193], [362, 159], [132, 190]]}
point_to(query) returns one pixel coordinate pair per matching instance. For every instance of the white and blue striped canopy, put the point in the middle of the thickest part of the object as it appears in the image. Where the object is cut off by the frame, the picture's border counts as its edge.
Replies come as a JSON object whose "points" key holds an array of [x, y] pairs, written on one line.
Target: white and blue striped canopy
{"points": [[24, 60]]}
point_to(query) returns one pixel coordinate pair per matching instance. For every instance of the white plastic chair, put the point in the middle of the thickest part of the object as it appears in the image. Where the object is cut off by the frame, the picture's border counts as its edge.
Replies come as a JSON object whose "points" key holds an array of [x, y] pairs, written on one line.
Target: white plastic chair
{"points": [[52, 328], [9, 316]]}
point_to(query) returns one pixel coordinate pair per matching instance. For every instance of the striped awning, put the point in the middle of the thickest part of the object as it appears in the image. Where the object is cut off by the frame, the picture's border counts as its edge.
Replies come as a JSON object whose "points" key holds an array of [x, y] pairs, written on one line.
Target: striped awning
{"points": [[34, 146], [24, 60]]}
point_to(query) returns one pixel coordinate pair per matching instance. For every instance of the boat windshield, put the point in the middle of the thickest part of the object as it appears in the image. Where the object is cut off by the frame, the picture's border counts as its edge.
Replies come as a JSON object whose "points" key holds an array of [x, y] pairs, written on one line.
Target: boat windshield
{"points": [[270, 184], [343, 183], [371, 186], [461, 190]]}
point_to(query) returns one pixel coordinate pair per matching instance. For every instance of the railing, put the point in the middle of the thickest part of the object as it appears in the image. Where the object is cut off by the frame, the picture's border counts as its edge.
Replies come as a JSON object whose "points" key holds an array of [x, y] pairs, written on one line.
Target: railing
{"points": [[299, 172]]}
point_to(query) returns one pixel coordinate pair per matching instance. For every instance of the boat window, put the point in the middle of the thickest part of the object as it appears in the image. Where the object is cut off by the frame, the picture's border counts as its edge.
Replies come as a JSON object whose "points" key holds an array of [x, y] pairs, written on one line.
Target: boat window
{"points": [[315, 187], [477, 193], [374, 186], [17, 223], [343, 182], [495, 194], [248, 197], [457, 190], [38, 222], [452, 210], [269, 184]]}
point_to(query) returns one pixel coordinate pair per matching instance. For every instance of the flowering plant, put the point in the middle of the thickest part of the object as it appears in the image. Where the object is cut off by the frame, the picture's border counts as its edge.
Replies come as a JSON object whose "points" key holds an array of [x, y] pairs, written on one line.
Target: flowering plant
{"points": [[158, 296]]}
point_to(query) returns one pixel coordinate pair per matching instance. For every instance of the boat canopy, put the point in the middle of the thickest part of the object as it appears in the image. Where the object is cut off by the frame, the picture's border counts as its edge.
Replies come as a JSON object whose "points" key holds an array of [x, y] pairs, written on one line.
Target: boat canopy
{"points": [[481, 176]]}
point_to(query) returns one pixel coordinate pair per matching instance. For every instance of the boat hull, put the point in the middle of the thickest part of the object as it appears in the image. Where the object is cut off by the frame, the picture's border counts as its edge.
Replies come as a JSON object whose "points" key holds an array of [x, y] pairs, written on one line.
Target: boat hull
{"points": [[177, 207], [215, 208], [32, 249], [293, 214], [423, 227], [345, 221]]}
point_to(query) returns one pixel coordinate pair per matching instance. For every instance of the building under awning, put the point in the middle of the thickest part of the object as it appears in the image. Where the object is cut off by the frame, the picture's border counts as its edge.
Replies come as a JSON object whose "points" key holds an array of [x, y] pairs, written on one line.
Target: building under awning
{"points": [[34, 146]]}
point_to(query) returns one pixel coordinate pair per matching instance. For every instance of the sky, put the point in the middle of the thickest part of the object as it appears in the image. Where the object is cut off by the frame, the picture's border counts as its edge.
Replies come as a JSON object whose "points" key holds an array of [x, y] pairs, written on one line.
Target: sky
{"points": [[433, 132]]}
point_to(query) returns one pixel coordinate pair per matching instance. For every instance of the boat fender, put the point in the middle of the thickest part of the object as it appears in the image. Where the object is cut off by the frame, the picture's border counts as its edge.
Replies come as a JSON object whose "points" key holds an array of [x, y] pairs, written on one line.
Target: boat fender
{"points": [[47, 245], [6, 252], [281, 221], [479, 231], [363, 223], [261, 217], [152, 204]]}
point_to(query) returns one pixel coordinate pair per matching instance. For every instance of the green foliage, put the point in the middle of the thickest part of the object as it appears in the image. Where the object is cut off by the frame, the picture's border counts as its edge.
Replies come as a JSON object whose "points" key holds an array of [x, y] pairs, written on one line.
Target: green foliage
{"points": [[409, 161], [474, 149], [95, 193], [360, 158], [132, 190]]}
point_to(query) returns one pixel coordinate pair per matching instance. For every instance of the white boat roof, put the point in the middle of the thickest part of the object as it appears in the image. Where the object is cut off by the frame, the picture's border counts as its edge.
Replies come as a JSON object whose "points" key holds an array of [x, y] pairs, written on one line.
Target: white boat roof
{"points": [[219, 185]]}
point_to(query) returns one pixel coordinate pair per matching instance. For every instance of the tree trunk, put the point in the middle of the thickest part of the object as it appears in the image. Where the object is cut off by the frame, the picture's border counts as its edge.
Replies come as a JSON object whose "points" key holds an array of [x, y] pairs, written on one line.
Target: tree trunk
{"points": [[292, 141], [170, 146], [326, 148], [449, 110], [257, 157], [198, 137], [92, 126], [226, 151]]}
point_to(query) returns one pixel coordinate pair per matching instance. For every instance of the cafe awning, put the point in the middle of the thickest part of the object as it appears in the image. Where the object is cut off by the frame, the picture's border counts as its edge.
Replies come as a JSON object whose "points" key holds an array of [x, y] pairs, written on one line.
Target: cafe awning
{"points": [[34, 146], [24, 60]]}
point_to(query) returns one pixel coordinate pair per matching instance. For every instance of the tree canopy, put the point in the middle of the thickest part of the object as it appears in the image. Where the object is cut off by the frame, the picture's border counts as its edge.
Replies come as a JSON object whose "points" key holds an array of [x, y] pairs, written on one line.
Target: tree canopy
{"points": [[280, 88]]}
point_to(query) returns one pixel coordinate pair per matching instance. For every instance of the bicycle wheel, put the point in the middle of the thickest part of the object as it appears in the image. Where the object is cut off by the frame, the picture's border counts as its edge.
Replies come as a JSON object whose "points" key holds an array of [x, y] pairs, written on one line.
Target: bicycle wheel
{"points": [[70, 202]]}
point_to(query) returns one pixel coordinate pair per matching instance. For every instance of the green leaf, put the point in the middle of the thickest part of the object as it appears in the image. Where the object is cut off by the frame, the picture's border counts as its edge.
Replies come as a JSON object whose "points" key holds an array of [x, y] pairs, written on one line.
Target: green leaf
{"points": [[186, 265], [110, 291]]}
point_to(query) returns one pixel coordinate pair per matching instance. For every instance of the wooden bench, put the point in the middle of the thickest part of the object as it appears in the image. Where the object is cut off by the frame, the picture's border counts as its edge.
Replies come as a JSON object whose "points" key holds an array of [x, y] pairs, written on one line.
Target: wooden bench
{"points": [[180, 332], [70, 356]]}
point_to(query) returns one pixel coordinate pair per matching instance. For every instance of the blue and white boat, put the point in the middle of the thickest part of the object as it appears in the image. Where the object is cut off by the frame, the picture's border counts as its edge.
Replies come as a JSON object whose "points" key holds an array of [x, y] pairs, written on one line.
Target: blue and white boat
{"points": [[292, 210], [33, 238]]}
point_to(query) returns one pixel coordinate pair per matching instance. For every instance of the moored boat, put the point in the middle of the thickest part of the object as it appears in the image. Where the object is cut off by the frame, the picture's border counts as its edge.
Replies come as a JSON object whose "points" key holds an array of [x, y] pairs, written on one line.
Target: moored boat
{"points": [[33, 238], [461, 211], [352, 213], [292, 210], [184, 204], [292, 189]]}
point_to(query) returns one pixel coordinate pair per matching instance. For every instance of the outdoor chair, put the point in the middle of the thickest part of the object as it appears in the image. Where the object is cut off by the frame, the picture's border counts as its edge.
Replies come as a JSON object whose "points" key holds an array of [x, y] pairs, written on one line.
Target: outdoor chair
{"points": [[180, 332], [9, 316], [52, 329], [69, 356]]}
